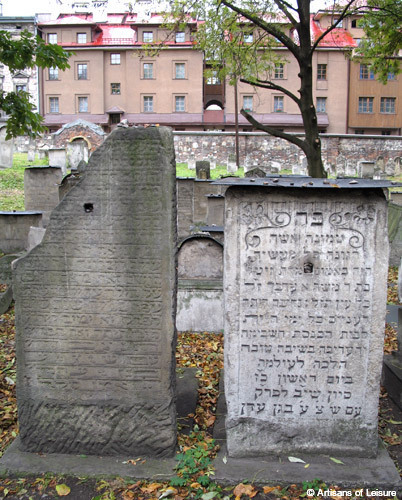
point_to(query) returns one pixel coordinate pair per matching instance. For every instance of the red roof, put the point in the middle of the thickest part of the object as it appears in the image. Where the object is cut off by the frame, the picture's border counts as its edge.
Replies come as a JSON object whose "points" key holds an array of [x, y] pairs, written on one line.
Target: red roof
{"points": [[338, 37]]}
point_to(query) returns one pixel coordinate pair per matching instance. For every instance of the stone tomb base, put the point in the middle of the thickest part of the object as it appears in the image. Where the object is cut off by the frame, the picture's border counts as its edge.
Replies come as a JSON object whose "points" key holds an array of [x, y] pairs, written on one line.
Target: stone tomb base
{"points": [[379, 472]]}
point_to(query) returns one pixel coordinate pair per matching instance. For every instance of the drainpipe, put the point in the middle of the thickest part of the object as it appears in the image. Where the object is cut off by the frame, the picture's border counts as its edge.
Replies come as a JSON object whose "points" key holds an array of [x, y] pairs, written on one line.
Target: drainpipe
{"points": [[236, 125], [347, 97]]}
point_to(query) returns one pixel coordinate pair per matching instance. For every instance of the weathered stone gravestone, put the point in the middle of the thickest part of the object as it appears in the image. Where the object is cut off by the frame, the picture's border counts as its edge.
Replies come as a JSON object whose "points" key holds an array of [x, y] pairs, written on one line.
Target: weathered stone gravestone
{"points": [[340, 165], [231, 164], [202, 169], [76, 151], [390, 167], [6, 149], [366, 169], [305, 295], [95, 308], [57, 158], [41, 189], [255, 172]]}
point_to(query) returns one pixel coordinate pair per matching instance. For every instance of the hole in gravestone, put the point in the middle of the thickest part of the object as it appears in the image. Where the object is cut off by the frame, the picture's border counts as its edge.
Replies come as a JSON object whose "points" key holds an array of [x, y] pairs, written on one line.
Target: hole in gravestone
{"points": [[88, 207], [308, 267]]}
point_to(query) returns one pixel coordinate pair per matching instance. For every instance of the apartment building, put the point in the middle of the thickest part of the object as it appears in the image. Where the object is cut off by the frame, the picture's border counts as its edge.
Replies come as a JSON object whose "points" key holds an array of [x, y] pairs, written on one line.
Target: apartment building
{"points": [[113, 77], [27, 79]]}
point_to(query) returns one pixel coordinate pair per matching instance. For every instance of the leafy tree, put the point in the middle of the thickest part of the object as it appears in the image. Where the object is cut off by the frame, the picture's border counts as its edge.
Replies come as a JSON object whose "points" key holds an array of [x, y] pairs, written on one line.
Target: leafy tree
{"points": [[382, 21], [222, 36], [26, 52]]}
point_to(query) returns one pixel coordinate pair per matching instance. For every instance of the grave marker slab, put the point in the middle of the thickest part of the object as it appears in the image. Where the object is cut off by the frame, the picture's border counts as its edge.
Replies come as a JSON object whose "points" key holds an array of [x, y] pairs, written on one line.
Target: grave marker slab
{"points": [[305, 295], [95, 313]]}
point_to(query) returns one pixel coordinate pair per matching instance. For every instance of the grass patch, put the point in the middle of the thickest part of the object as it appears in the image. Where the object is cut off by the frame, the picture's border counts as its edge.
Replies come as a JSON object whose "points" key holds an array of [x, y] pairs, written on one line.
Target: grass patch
{"points": [[12, 182], [216, 173]]}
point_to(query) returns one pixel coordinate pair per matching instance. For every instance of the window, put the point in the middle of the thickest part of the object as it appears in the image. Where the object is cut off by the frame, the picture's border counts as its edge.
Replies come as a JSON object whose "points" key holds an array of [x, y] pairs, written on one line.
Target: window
{"points": [[148, 104], [53, 73], [387, 105], [115, 88], [148, 71], [52, 37], [248, 102], [83, 104], [278, 74], [148, 36], [354, 23], [21, 87], [214, 78], [366, 73], [278, 104], [359, 131], [53, 104], [114, 58], [81, 38], [115, 118], [180, 103], [366, 104], [248, 38], [180, 71], [180, 37], [82, 71], [321, 71], [340, 24], [321, 105], [385, 132], [391, 76]]}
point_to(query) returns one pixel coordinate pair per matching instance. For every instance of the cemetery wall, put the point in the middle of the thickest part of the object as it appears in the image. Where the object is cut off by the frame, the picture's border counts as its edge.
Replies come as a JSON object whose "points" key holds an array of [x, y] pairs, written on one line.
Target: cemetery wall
{"points": [[259, 148]]}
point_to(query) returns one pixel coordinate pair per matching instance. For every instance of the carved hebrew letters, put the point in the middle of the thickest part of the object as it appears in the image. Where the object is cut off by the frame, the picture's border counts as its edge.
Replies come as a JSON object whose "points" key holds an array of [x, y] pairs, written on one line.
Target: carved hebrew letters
{"points": [[304, 293], [95, 308]]}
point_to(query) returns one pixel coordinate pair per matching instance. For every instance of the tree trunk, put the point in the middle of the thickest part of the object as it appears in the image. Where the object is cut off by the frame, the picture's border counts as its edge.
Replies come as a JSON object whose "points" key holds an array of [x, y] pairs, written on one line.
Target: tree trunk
{"points": [[312, 140]]}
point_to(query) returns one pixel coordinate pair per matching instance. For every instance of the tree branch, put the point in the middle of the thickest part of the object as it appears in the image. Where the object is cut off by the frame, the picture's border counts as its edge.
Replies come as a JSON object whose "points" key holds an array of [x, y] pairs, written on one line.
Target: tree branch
{"points": [[342, 15], [272, 86], [268, 27], [283, 6], [273, 131]]}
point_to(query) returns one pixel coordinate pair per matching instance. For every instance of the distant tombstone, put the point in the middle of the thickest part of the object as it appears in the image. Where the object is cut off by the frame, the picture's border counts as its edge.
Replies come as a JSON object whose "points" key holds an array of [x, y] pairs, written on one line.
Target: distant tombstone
{"points": [[340, 165], [43, 152], [390, 168], [6, 149], [41, 189], [202, 169], [82, 165], [76, 151], [191, 163], [296, 170], [398, 165], [31, 155], [57, 158], [350, 169], [95, 308], [35, 236], [380, 164], [366, 169], [255, 172], [232, 165], [305, 294]]}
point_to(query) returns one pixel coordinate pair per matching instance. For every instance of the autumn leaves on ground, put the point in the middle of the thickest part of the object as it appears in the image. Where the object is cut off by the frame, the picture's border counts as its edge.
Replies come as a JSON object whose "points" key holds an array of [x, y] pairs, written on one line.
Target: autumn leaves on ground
{"points": [[193, 477]]}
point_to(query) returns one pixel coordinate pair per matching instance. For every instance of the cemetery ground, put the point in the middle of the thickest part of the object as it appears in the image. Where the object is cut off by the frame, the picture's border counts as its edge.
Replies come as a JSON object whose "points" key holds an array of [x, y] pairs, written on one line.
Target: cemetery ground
{"points": [[194, 476], [194, 472]]}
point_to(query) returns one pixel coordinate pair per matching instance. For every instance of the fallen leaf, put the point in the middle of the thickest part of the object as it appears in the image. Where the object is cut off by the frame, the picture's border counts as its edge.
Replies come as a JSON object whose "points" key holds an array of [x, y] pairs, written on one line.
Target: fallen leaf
{"points": [[296, 460], [336, 460], [306, 466], [225, 459], [268, 489], [128, 495], [63, 490], [244, 489], [167, 493], [150, 488], [394, 422], [209, 495]]}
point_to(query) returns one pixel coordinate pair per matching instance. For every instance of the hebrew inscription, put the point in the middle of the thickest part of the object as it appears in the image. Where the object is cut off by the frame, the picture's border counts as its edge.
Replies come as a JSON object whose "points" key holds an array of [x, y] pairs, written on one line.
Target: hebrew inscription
{"points": [[305, 313], [95, 308]]}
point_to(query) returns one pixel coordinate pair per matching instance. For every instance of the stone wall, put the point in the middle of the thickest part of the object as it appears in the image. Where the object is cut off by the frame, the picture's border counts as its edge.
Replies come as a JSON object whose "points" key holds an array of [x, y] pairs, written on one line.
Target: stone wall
{"points": [[259, 148]]}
